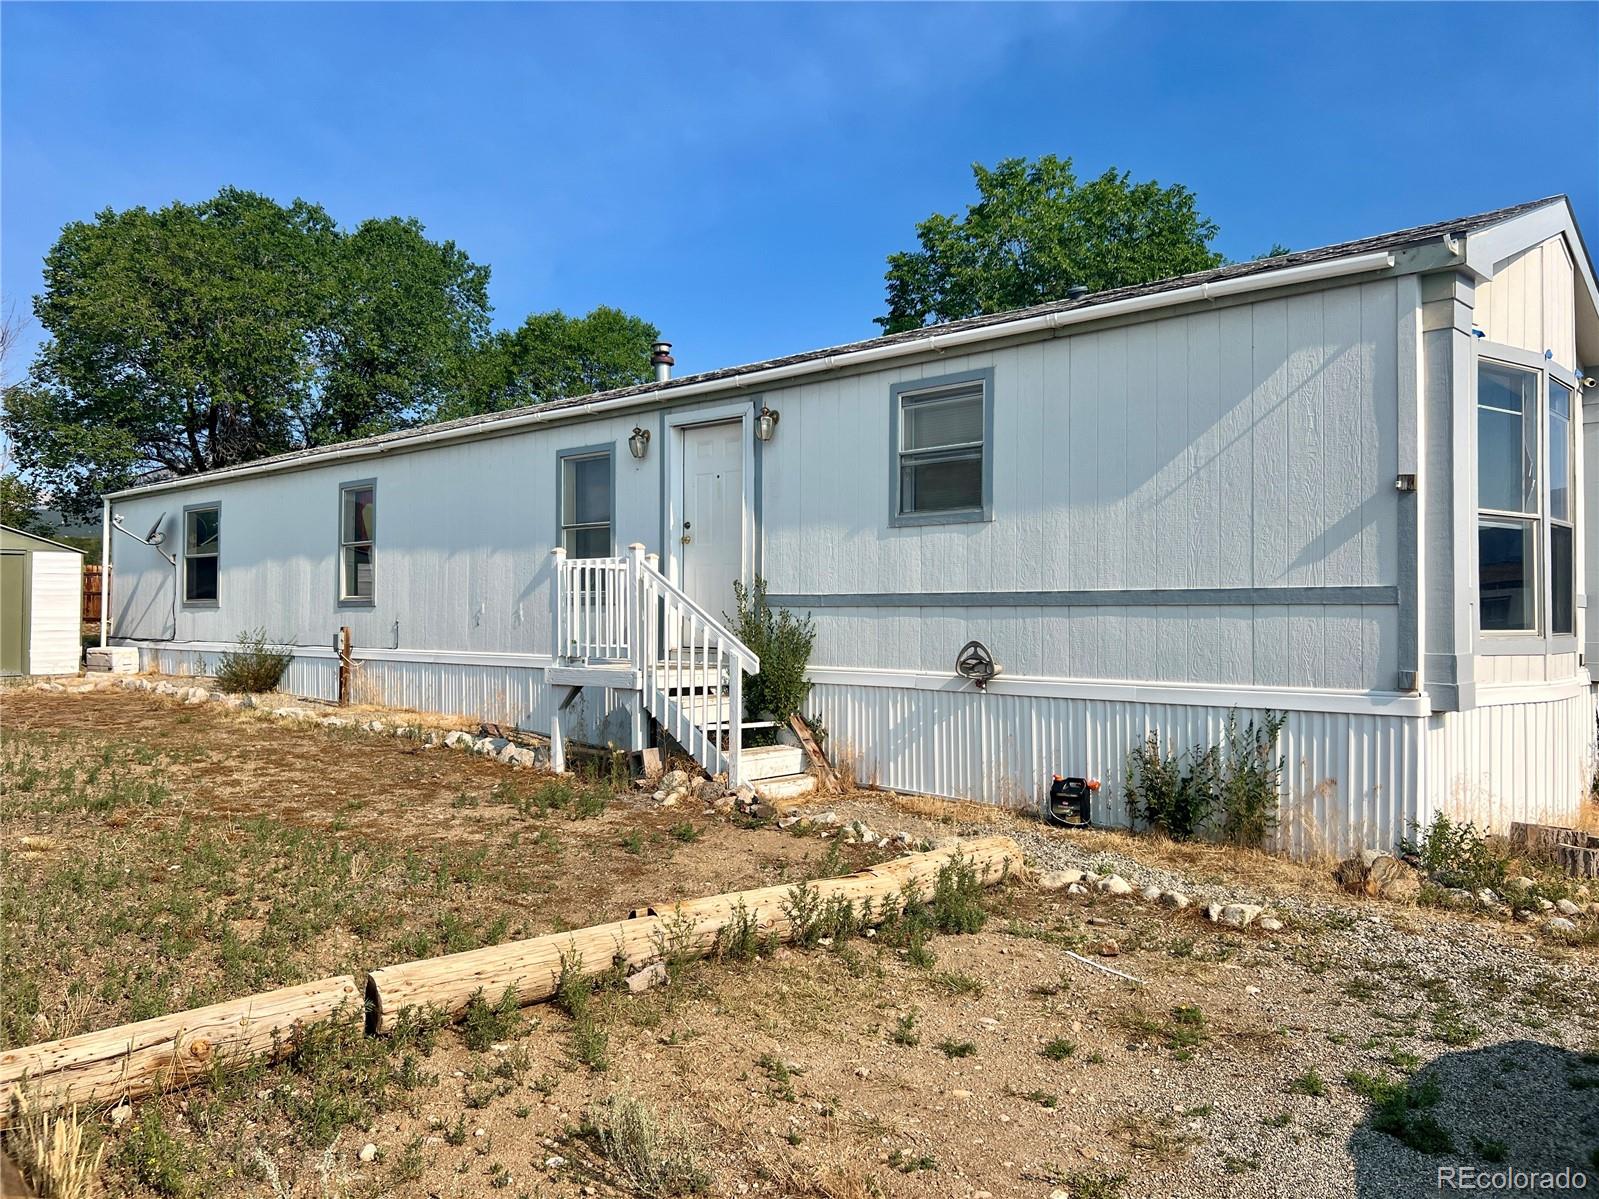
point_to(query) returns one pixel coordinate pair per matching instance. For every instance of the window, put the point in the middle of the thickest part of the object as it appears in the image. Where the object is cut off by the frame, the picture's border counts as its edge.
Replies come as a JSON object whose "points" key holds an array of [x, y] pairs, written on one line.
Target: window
{"points": [[586, 504], [1562, 530], [1526, 499], [357, 534], [202, 540], [941, 450], [1507, 497]]}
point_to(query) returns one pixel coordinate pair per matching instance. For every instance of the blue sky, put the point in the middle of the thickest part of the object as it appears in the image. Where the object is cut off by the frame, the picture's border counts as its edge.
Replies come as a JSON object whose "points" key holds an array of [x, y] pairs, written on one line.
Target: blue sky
{"points": [[737, 174]]}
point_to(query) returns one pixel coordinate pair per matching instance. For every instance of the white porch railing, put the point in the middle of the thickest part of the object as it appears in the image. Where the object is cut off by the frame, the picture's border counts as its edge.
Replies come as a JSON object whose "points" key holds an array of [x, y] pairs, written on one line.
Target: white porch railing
{"points": [[593, 614], [691, 666]]}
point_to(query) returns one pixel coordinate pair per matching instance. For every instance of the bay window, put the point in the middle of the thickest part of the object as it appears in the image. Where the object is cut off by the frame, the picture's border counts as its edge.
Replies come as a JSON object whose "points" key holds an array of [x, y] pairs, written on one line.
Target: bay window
{"points": [[1525, 497]]}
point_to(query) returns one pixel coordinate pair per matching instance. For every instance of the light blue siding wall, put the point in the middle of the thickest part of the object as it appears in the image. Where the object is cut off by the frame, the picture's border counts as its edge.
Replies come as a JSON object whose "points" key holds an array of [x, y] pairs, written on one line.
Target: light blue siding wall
{"points": [[1247, 447], [464, 533]]}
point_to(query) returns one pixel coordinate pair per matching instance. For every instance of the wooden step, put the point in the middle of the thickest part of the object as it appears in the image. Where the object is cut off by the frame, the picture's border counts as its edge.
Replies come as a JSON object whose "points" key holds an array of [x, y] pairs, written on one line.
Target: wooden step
{"points": [[771, 761]]}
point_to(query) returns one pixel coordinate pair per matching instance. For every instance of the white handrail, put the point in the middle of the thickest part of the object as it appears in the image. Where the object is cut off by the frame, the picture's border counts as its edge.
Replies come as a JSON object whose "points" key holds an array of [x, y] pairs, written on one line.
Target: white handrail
{"points": [[612, 609]]}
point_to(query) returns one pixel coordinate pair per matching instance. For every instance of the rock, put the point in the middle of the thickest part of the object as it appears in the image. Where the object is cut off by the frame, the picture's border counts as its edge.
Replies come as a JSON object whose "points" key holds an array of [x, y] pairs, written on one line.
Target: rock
{"points": [[1377, 874], [675, 780], [1175, 899], [653, 975], [1055, 880], [1213, 912], [120, 1114], [196, 695], [1567, 908], [1488, 899], [373, 726], [1239, 915], [1560, 927], [369, 1152], [1115, 884], [1107, 949], [1544, 905], [1521, 883], [1076, 889], [1150, 894], [333, 722], [456, 739], [1271, 924], [1457, 897]]}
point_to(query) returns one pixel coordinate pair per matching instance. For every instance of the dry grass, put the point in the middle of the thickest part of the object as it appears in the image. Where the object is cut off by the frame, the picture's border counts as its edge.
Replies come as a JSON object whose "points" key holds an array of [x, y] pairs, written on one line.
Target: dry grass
{"points": [[52, 1152]]}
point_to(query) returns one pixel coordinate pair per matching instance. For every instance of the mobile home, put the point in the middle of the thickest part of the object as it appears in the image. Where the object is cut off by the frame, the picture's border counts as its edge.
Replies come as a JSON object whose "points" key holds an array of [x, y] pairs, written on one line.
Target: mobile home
{"points": [[1342, 484]]}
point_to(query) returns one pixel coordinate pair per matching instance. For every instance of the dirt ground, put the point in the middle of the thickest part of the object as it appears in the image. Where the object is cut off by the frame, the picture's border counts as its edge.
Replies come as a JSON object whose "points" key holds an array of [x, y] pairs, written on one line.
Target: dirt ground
{"points": [[159, 856]]}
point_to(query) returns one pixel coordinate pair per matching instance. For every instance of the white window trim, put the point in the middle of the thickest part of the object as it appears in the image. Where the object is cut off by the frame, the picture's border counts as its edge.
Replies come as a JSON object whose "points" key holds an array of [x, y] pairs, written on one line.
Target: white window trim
{"points": [[1539, 640], [347, 600]]}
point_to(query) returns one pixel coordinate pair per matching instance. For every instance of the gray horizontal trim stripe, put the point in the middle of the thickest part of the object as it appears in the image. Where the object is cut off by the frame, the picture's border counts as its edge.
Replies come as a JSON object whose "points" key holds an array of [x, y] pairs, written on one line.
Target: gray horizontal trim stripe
{"points": [[1172, 597]]}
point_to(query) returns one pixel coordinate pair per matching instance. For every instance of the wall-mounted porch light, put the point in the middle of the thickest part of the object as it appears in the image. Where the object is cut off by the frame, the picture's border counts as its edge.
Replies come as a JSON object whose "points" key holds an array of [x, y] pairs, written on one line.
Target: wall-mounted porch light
{"points": [[765, 424], [639, 443]]}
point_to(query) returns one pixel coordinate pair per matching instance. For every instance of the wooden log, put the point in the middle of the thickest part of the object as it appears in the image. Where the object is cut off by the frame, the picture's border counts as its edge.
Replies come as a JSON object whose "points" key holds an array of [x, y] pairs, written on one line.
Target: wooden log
{"points": [[170, 1051], [532, 968]]}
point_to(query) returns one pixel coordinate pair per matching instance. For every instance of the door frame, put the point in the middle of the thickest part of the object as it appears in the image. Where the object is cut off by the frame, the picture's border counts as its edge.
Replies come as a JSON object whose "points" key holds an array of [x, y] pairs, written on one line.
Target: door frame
{"points": [[25, 613], [677, 426]]}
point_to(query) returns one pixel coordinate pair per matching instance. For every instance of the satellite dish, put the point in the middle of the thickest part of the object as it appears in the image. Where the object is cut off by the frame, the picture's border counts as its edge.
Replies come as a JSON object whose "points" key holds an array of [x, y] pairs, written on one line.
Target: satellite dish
{"points": [[155, 536], [976, 663]]}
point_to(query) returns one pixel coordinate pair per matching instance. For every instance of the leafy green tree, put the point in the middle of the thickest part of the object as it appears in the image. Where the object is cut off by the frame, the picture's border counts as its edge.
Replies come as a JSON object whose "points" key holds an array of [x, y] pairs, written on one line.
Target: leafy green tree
{"points": [[19, 504], [1037, 230], [552, 356], [203, 335]]}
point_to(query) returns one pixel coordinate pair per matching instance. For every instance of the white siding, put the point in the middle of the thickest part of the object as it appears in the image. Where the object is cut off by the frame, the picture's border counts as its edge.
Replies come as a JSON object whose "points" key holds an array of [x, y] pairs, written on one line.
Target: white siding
{"points": [[1349, 780], [510, 695], [1531, 302], [54, 640], [1523, 761]]}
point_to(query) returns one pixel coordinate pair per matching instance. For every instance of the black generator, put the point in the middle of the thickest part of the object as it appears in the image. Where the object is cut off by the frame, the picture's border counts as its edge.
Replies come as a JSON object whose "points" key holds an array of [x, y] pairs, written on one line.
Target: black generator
{"points": [[1070, 803]]}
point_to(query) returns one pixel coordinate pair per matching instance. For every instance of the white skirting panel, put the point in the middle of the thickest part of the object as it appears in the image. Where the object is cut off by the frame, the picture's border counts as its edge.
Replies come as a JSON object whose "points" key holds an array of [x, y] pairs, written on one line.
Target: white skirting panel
{"points": [[509, 695], [1523, 761], [1351, 779]]}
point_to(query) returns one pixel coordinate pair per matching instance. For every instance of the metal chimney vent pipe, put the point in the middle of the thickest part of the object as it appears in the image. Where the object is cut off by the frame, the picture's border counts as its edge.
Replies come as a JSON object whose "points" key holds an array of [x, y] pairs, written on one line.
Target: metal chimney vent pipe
{"points": [[661, 359]]}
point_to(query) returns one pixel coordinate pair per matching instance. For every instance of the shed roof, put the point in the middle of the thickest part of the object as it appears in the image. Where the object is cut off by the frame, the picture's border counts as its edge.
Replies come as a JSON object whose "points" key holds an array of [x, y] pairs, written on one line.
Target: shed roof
{"points": [[16, 539], [663, 391]]}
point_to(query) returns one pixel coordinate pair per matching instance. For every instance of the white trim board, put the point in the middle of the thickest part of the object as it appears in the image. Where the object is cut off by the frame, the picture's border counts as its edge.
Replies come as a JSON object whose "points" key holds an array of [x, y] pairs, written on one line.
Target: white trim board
{"points": [[428, 656], [1293, 699]]}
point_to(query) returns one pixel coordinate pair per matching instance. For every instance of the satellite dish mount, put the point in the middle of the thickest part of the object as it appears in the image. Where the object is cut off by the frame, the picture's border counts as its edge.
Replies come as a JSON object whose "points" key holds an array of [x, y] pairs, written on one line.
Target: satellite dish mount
{"points": [[974, 662]]}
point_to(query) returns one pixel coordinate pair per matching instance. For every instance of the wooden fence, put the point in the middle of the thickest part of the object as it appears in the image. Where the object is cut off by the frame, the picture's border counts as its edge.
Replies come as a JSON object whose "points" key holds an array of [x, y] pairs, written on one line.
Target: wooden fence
{"points": [[93, 592]]}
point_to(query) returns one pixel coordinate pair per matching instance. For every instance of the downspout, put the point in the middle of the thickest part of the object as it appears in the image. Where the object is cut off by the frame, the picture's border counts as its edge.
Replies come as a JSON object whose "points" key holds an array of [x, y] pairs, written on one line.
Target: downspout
{"points": [[105, 571]]}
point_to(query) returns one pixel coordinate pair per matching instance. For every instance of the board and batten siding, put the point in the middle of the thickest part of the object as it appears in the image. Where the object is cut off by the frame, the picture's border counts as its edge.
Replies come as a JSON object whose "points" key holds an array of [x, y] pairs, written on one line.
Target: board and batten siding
{"points": [[461, 559], [1253, 446], [1530, 302], [55, 613]]}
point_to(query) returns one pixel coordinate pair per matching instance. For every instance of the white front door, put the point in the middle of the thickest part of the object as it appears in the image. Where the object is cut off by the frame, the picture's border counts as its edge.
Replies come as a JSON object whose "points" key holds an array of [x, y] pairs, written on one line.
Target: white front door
{"points": [[711, 528]]}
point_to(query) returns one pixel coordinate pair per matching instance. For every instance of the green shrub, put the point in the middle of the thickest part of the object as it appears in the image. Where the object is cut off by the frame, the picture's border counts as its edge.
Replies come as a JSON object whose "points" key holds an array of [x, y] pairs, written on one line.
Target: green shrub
{"points": [[649, 1155], [482, 1024], [1251, 775], [1172, 792], [256, 664], [957, 905], [1233, 786], [783, 643], [1454, 855], [154, 1156]]}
